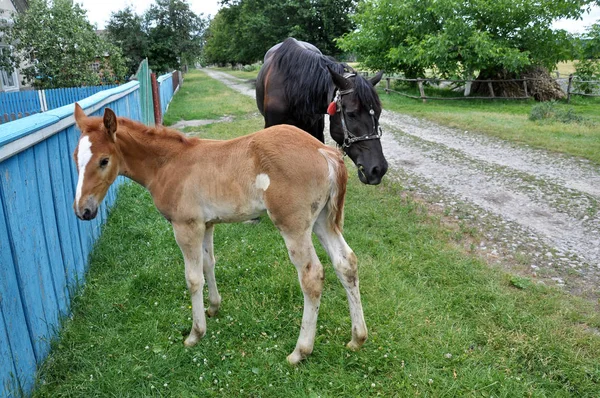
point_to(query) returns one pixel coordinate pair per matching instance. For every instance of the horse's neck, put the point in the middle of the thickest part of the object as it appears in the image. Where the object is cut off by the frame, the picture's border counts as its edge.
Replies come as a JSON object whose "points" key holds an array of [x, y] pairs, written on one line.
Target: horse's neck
{"points": [[145, 152]]}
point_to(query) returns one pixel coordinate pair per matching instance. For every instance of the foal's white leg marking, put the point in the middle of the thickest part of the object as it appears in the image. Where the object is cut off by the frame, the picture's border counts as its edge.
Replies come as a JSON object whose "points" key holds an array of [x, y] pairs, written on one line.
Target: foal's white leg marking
{"points": [[209, 272], [84, 154], [345, 265], [189, 237], [262, 181], [310, 273]]}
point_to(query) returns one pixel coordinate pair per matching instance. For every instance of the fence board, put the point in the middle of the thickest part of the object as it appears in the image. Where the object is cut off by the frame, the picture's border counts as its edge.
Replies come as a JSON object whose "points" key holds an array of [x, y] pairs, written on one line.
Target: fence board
{"points": [[50, 229], [22, 355]]}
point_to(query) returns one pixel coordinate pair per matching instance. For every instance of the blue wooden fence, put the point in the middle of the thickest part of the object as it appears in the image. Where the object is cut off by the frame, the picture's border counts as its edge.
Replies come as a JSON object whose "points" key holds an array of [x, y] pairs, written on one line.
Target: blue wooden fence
{"points": [[20, 104], [43, 247], [165, 91]]}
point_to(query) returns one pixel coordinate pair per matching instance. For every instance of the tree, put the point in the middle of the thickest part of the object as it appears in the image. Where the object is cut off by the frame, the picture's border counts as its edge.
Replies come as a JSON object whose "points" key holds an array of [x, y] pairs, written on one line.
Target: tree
{"points": [[175, 34], [459, 38], [243, 30], [126, 29], [54, 45]]}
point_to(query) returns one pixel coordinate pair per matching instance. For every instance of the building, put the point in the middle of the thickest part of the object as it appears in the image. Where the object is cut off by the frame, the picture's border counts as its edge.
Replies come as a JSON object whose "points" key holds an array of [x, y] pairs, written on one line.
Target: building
{"points": [[10, 80]]}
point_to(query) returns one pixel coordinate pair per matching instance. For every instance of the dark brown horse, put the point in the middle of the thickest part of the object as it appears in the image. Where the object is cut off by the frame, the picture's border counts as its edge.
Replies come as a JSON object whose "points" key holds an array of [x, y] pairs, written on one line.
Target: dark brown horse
{"points": [[297, 85]]}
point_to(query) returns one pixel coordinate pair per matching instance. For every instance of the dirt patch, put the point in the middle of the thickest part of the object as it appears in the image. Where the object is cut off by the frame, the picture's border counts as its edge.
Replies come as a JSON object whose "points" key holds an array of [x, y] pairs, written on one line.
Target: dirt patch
{"points": [[195, 123]]}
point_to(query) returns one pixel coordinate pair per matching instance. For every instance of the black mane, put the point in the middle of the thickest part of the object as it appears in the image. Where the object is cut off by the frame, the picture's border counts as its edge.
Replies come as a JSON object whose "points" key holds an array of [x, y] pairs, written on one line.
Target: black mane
{"points": [[310, 87]]}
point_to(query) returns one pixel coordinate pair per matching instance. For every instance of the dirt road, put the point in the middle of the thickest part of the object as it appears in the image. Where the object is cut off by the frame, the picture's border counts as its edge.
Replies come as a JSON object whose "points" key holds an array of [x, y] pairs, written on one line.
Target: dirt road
{"points": [[538, 212]]}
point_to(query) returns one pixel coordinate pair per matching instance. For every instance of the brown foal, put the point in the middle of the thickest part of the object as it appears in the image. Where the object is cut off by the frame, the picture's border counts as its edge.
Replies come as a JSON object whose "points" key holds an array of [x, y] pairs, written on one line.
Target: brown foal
{"points": [[195, 183]]}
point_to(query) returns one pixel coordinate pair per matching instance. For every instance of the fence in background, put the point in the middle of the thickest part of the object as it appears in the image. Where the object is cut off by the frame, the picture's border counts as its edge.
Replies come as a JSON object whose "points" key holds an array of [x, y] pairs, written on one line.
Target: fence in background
{"points": [[44, 248], [20, 104], [569, 86], [167, 87]]}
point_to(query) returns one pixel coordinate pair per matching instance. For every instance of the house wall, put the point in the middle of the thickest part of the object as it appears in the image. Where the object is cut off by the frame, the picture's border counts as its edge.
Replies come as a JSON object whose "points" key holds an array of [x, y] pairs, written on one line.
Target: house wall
{"points": [[6, 9]]}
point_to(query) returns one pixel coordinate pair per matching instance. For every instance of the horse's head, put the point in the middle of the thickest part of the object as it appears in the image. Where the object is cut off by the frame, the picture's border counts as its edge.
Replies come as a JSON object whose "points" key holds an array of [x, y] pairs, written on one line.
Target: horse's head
{"points": [[354, 124], [97, 160]]}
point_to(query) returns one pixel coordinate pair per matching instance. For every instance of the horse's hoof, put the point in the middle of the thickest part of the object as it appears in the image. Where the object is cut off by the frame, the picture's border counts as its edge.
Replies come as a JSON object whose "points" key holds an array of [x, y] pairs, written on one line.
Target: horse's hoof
{"points": [[353, 345], [212, 311], [294, 358], [190, 341]]}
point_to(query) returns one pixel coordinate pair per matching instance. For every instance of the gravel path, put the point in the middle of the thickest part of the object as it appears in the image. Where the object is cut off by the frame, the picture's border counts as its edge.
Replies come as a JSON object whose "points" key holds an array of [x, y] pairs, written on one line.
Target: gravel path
{"points": [[538, 212]]}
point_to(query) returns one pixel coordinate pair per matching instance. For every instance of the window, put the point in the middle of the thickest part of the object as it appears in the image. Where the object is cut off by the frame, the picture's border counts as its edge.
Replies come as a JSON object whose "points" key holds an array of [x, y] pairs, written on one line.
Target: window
{"points": [[8, 79]]}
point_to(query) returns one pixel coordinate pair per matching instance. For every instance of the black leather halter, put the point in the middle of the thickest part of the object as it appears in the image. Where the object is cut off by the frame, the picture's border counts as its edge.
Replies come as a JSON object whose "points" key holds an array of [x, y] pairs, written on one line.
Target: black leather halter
{"points": [[350, 138]]}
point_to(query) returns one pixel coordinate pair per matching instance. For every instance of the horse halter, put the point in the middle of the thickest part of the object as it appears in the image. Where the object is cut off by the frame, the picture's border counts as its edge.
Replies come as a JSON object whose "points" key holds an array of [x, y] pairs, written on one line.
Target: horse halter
{"points": [[350, 138]]}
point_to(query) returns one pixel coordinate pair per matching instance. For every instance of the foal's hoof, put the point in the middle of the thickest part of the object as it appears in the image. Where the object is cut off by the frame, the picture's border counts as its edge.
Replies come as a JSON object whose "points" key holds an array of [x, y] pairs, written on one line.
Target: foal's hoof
{"points": [[294, 358], [193, 338], [354, 346], [212, 311]]}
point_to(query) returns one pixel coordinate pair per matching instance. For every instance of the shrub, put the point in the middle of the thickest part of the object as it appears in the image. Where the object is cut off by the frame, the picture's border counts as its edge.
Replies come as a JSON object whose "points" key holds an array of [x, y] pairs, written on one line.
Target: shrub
{"points": [[587, 70], [550, 111]]}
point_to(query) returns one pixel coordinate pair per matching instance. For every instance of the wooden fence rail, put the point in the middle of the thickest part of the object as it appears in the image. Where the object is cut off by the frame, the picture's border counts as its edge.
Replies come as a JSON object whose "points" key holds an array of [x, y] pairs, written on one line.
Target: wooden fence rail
{"points": [[20, 104], [572, 82]]}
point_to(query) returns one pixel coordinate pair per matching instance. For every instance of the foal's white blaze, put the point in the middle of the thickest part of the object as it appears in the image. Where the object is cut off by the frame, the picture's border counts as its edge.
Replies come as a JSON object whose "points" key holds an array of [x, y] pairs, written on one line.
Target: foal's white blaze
{"points": [[84, 154], [262, 181]]}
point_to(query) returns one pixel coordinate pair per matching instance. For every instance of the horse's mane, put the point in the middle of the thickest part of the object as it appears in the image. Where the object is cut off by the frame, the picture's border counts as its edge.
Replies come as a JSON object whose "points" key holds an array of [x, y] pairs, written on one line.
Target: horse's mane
{"points": [[155, 133], [311, 86]]}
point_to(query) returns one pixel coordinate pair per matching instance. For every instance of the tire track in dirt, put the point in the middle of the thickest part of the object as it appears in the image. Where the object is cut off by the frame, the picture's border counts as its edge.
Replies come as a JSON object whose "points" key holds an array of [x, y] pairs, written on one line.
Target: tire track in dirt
{"points": [[537, 211]]}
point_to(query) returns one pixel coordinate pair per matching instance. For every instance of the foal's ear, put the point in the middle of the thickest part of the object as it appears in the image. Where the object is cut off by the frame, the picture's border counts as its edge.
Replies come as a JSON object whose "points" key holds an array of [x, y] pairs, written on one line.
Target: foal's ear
{"points": [[79, 115], [375, 79], [110, 123], [340, 81]]}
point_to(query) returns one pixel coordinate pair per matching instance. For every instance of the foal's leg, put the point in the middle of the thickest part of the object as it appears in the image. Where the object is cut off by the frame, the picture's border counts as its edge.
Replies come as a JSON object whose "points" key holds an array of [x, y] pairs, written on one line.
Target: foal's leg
{"points": [[189, 237], [345, 265], [209, 271], [310, 273]]}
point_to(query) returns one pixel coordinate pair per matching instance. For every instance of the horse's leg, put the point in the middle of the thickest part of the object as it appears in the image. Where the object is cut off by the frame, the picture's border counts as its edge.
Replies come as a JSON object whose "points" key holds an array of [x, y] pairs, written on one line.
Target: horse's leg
{"points": [[310, 273], [209, 271], [189, 237], [345, 264]]}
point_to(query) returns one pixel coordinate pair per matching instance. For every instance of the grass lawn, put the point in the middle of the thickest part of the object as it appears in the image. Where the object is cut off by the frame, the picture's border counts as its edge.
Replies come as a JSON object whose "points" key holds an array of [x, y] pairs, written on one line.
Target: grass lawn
{"points": [[441, 322]]}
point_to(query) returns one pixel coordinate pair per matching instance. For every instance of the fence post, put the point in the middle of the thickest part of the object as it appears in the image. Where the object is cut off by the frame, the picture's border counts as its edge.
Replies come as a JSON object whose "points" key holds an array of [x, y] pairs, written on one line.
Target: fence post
{"points": [[387, 85], [421, 90], [525, 87], [156, 100], [491, 87], [569, 88]]}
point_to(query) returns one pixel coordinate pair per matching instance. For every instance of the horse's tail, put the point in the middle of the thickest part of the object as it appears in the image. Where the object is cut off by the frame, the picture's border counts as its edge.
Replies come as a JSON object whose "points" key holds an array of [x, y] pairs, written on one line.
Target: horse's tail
{"points": [[338, 178]]}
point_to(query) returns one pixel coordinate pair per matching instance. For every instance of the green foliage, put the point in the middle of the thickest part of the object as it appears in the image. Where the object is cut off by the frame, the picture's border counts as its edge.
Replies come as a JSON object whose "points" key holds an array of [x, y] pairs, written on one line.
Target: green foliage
{"points": [[174, 34], [55, 46], [126, 30], [588, 75], [169, 34], [243, 30], [454, 37], [591, 42], [551, 111]]}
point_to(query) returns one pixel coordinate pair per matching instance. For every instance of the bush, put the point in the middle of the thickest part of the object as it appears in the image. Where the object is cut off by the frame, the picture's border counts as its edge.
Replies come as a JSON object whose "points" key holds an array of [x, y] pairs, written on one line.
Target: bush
{"points": [[587, 70], [550, 111]]}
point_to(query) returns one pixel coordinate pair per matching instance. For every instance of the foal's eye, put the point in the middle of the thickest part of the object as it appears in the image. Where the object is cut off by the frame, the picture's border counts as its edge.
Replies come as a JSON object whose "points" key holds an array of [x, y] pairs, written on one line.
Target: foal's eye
{"points": [[103, 162]]}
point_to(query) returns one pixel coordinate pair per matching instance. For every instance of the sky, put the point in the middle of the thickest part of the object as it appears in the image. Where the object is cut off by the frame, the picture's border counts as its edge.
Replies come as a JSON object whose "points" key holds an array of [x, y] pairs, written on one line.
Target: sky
{"points": [[99, 12]]}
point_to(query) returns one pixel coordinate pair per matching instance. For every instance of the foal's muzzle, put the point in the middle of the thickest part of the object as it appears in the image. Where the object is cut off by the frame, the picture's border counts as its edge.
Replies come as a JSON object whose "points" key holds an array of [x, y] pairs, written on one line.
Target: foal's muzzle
{"points": [[87, 211]]}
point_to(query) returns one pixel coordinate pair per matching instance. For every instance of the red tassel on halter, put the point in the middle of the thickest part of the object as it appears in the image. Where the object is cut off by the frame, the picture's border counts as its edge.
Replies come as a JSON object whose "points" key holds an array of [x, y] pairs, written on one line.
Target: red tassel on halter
{"points": [[332, 109]]}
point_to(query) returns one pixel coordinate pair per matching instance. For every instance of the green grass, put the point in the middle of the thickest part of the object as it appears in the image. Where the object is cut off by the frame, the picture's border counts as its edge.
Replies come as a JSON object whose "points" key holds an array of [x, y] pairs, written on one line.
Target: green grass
{"points": [[508, 120], [201, 98], [441, 323]]}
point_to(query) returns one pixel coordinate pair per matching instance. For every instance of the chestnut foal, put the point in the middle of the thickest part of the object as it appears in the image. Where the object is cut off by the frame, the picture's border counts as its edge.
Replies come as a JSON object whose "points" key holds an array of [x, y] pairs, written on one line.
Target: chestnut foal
{"points": [[195, 183]]}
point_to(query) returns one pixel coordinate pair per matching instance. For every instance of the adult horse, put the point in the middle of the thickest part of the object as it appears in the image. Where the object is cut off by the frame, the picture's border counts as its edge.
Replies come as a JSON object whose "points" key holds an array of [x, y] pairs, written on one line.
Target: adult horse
{"points": [[297, 85], [299, 182]]}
